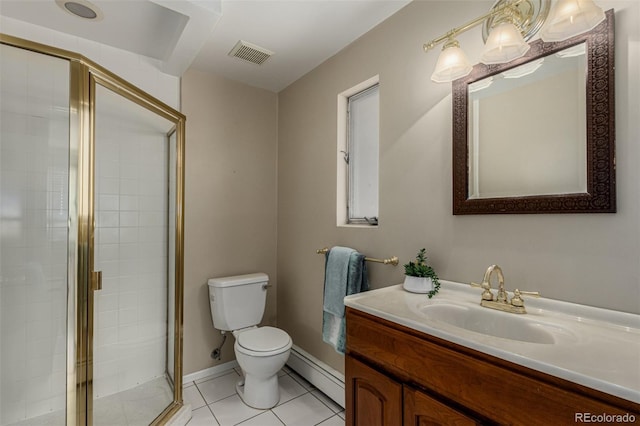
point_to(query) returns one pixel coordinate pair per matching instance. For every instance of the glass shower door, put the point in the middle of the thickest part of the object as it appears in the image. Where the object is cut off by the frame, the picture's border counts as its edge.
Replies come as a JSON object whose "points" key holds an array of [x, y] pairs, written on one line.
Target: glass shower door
{"points": [[132, 381], [91, 195], [36, 265]]}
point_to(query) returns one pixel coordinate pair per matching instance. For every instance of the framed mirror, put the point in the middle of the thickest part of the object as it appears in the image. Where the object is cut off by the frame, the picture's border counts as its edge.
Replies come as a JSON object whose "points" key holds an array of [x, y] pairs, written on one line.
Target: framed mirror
{"points": [[537, 135]]}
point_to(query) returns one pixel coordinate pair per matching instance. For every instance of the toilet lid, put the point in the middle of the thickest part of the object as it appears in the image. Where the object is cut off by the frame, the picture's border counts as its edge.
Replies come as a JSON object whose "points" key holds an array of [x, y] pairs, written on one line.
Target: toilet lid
{"points": [[263, 339]]}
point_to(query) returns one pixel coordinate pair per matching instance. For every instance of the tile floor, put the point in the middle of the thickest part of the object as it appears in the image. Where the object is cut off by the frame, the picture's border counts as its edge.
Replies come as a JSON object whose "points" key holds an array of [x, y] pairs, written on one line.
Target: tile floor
{"points": [[214, 402]]}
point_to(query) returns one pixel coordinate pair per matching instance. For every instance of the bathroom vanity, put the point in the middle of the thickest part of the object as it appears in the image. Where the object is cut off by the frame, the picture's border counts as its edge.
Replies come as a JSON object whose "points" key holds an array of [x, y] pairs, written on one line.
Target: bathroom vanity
{"points": [[412, 360]]}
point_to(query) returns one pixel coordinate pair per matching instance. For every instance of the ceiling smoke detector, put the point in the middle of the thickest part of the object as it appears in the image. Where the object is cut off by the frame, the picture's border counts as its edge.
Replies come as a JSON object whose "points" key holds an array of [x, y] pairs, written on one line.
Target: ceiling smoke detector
{"points": [[250, 52], [81, 8]]}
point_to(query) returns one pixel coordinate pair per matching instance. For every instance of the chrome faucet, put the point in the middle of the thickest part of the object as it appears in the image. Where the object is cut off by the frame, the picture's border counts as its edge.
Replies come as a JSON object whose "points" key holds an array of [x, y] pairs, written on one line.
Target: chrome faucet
{"points": [[501, 301]]}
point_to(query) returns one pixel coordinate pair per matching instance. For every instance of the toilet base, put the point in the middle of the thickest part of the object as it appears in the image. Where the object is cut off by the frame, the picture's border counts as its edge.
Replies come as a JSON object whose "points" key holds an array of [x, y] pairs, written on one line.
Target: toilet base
{"points": [[259, 393]]}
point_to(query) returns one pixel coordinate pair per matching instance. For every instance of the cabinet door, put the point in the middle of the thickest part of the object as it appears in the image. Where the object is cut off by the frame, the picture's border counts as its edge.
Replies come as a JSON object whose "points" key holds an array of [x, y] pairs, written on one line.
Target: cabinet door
{"points": [[422, 410], [372, 398]]}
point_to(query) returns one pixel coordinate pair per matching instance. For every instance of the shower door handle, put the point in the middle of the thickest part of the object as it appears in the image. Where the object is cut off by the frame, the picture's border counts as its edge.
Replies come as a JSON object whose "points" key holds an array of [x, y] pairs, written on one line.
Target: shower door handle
{"points": [[96, 278]]}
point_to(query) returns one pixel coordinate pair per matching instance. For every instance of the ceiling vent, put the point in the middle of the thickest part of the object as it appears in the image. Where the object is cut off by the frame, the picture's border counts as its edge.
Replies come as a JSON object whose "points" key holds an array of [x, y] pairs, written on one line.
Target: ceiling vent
{"points": [[250, 52]]}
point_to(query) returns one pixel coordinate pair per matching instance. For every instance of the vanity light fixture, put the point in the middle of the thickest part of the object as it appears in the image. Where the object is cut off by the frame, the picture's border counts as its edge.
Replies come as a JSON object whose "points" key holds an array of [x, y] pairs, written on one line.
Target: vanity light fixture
{"points": [[570, 18], [452, 63], [505, 43], [507, 27]]}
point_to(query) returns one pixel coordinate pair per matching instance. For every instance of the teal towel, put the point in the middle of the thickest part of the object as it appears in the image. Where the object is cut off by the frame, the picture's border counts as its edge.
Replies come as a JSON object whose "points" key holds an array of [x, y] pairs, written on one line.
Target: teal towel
{"points": [[336, 278], [341, 279]]}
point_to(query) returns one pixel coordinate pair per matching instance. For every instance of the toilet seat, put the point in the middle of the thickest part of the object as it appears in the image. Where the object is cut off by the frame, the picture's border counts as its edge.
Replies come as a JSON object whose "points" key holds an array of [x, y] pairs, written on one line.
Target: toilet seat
{"points": [[263, 341]]}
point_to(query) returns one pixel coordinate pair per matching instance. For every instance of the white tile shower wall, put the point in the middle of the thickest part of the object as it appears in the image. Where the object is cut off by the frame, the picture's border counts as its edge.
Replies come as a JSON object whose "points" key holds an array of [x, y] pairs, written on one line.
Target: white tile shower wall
{"points": [[131, 250], [141, 71], [34, 151]]}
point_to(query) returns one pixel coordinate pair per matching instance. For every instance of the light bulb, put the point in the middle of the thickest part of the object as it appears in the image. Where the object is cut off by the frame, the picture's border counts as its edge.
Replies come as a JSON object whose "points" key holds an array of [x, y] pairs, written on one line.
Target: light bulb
{"points": [[570, 18], [452, 63], [505, 43]]}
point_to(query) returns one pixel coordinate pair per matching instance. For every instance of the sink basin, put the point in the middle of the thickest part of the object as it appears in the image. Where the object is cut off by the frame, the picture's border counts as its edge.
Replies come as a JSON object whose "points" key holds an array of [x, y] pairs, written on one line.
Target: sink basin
{"points": [[593, 347], [492, 323]]}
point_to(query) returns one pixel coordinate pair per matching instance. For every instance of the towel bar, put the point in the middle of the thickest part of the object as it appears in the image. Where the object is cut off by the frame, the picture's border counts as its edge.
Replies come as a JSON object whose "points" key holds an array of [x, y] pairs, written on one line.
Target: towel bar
{"points": [[391, 261]]}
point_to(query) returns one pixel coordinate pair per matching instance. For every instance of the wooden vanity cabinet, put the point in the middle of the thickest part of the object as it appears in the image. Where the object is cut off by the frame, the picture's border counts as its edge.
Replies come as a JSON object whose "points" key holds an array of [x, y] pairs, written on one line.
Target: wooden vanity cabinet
{"points": [[399, 376], [378, 400], [421, 409]]}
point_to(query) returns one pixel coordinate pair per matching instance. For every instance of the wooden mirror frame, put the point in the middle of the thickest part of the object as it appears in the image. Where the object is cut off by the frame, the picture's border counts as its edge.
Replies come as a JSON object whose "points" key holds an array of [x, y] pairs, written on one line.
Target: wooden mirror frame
{"points": [[600, 120]]}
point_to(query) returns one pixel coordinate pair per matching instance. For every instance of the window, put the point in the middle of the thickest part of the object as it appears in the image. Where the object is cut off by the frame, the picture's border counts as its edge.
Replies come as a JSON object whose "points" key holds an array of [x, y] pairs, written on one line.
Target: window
{"points": [[358, 155]]}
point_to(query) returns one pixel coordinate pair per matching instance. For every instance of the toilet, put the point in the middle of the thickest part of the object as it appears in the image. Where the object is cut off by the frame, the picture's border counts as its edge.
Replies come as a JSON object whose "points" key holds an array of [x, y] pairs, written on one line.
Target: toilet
{"points": [[237, 305]]}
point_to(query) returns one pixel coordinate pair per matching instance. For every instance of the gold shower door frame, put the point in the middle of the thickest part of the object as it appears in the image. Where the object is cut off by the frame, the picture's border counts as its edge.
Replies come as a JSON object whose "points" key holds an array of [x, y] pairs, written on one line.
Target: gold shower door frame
{"points": [[83, 280]]}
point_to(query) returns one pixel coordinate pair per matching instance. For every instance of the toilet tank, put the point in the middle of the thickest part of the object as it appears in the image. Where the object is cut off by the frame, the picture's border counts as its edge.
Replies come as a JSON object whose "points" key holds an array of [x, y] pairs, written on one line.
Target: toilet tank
{"points": [[237, 301]]}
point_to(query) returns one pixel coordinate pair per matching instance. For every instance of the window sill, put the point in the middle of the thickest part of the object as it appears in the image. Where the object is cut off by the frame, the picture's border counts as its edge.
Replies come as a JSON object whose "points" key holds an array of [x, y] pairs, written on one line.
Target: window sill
{"points": [[357, 225]]}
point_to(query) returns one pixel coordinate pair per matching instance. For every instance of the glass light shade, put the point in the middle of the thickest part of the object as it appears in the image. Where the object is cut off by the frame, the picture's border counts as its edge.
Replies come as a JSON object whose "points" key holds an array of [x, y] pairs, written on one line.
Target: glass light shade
{"points": [[571, 17], [505, 43], [452, 64], [524, 69]]}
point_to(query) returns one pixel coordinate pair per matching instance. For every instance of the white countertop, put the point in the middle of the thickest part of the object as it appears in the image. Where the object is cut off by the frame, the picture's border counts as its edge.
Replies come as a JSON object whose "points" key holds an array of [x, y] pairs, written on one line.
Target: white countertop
{"points": [[597, 348]]}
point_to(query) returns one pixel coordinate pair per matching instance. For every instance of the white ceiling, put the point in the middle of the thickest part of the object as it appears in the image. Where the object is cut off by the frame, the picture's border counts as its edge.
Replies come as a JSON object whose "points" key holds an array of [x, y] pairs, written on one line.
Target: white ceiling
{"points": [[302, 33], [200, 33]]}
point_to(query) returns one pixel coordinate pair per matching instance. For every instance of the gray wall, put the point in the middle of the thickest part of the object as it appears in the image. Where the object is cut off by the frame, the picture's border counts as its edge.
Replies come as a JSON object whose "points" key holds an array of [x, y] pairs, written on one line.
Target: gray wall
{"points": [[230, 200], [592, 259], [261, 186]]}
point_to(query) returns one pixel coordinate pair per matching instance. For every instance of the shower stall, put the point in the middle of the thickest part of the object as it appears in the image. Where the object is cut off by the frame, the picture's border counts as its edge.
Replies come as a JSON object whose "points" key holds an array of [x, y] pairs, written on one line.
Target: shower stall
{"points": [[91, 244]]}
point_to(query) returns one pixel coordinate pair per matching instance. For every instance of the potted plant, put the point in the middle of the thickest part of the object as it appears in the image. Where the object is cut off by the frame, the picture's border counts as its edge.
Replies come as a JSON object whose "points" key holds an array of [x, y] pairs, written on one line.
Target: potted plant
{"points": [[420, 277]]}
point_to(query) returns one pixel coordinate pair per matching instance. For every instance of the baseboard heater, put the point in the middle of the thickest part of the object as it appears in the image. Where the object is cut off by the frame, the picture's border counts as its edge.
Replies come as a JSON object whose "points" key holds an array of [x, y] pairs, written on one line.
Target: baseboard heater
{"points": [[319, 374]]}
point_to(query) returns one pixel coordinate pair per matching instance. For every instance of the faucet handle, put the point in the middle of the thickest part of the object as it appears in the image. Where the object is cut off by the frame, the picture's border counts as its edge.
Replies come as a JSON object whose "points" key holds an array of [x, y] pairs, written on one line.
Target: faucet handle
{"points": [[486, 286], [516, 300]]}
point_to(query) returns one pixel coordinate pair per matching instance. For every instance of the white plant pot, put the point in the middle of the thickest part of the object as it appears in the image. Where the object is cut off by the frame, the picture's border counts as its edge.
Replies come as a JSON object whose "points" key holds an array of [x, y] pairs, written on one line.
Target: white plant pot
{"points": [[418, 284]]}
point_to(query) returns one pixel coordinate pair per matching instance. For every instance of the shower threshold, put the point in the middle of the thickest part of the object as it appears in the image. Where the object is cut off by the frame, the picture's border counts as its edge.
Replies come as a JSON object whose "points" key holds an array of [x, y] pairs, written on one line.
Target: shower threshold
{"points": [[134, 407]]}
